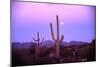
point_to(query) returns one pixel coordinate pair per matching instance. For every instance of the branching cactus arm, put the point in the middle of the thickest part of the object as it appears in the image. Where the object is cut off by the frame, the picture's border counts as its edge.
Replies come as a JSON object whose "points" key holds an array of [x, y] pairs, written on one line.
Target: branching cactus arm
{"points": [[57, 40], [62, 38], [42, 41], [52, 33], [37, 40], [34, 39]]}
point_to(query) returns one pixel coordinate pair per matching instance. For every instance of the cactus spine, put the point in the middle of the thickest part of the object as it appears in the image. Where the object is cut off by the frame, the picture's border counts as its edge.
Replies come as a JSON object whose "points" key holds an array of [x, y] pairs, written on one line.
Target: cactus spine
{"points": [[57, 39], [37, 45]]}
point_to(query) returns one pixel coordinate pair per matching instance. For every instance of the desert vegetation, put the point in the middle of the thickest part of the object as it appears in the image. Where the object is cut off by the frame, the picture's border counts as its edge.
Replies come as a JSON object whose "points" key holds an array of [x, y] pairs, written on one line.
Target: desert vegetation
{"points": [[56, 38], [52, 52]]}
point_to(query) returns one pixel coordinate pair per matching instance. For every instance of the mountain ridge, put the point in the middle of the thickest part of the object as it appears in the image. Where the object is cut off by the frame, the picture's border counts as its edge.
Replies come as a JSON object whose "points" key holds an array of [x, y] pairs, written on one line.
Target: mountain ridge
{"points": [[46, 43]]}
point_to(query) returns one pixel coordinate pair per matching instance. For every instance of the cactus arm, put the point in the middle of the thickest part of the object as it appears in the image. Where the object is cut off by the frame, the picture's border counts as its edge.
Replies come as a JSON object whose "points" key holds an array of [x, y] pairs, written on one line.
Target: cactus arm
{"points": [[57, 27], [57, 40], [52, 34], [35, 39], [38, 36], [42, 41], [62, 37], [38, 39]]}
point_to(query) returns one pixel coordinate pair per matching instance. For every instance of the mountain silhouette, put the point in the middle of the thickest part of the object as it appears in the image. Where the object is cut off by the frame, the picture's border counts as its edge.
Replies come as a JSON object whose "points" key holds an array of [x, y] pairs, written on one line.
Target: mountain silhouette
{"points": [[46, 43], [22, 45], [77, 43], [72, 43]]}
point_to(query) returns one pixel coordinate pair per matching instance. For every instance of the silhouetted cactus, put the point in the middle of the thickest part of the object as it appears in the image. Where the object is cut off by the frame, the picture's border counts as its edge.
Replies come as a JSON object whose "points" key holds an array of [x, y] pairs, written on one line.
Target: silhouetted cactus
{"points": [[37, 45], [57, 39]]}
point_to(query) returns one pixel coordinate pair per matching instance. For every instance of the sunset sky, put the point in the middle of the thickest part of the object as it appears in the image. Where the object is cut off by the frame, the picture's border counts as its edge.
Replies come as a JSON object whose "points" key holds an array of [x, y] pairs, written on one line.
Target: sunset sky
{"points": [[77, 22]]}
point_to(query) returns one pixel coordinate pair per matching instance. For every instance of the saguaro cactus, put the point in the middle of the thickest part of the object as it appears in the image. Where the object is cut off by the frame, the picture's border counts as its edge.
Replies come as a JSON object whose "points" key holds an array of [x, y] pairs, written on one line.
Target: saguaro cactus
{"points": [[37, 45], [57, 39]]}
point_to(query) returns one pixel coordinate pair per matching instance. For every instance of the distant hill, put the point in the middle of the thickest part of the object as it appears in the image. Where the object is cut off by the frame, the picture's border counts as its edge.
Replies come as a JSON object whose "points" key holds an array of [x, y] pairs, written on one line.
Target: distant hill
{"points": [[46, 43], [77, 43], [22, 45], [73, 43]]}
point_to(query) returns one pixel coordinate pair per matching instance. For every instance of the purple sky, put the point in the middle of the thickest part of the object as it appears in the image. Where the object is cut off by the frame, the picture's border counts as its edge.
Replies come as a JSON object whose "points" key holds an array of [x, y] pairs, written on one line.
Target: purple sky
{"points": [[77, 22]]}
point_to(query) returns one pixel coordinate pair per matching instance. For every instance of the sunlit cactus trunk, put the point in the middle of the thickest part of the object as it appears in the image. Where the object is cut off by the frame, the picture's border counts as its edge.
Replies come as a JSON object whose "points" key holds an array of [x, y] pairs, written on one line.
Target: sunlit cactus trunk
{"points": [[57, 39], [37, 45]]}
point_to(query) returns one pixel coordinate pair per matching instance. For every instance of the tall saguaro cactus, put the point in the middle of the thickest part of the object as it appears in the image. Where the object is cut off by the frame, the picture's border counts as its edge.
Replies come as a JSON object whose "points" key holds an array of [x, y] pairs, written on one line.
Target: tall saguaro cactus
{"points": [[57, 39], [37, 45]]}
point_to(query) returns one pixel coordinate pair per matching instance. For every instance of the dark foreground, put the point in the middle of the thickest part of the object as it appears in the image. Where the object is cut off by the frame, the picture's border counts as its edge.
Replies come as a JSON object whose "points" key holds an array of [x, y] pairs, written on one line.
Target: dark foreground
{"points": [[68, 54]]}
